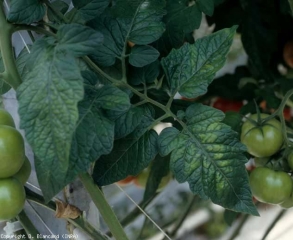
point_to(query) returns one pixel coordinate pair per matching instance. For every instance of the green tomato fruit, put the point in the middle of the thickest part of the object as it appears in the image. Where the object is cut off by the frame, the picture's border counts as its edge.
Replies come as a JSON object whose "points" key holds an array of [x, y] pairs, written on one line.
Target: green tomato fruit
{"points": [[6, 119], [269, 186], [12, 198], [290, 160], [262, 141], [12, 153], [23, 174]]}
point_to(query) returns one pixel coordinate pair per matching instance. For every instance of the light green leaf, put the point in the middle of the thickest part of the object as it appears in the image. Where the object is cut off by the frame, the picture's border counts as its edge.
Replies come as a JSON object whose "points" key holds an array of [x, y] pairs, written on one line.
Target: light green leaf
{"points": [[207, 154], [141, 56], [144, 75], [78, 39], [130, 155], [192, 68], [26, 11], [48, 111], [89, 9]]}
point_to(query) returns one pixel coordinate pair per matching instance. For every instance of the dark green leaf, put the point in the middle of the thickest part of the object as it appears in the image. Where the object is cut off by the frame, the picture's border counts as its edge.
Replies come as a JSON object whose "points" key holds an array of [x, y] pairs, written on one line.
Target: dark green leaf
{"points": [[141, 56], [48, 100], [230, 216], [206, 6], [61, 6], [159, 169], [127, 122], [209, 157], [21, 60], [146, 15], [86, 10], [268, 94], [183, 15], [129, 156], [260, 37], [144, 75], [114, 40], [192, 68], [78, 39], [26, 11], [234, 120], [291, 6]]}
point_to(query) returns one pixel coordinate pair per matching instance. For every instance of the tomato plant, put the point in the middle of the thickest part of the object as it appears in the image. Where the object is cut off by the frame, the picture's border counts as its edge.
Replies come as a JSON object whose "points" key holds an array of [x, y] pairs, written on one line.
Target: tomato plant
{"points": [[270, 186], [6, 119], [262, 140], [97, 78], [24, 172], [12, 198], [12, 153]]}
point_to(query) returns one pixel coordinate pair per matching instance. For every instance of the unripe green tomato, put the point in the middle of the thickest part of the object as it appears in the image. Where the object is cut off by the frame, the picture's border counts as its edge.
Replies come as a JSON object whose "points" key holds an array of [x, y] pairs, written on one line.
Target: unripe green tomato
{"points": [[269, 186], [288, 203], [290, 160], [6, 119], [262, 141], [12, 198], [12, 153], [23, 174]]}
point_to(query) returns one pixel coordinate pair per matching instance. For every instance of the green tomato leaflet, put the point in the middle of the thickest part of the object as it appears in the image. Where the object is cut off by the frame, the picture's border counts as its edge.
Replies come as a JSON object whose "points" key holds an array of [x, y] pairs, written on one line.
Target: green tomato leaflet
{"points": [[262, 141], [269, 186]]}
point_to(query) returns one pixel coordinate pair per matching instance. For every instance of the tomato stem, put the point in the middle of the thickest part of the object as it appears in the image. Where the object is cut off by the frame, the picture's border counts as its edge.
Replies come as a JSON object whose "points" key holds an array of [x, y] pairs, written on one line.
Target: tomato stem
{"points": [[270, 228], [29, 228], [79, 222], [10, 74], [103, 206]]}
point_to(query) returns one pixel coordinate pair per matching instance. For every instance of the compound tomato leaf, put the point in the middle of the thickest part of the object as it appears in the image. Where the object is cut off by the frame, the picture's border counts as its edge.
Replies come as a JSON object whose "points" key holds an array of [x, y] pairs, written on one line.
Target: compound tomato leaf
{"points": [[144, 75], [159, 169], [234, 120], [207, 6], [130, 155], [126, 123], [48, 99], [192, 68], [114, 39], [26, 11], [88, 9], [21, 60], [141, 56], [207, 154], [146, 15], [78, 39]]}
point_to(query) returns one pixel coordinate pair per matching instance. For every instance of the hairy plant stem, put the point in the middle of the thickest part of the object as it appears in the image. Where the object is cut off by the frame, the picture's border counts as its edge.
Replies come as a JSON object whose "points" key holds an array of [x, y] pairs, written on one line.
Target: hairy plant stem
{"points": [[272, 225], [279, 113], [10, 74], [239, 227], [29, 228], [103, 206], [79, 222]]}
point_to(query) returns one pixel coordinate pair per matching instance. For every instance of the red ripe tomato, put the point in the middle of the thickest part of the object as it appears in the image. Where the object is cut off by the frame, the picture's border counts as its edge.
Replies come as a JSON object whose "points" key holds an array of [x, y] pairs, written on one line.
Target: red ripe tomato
{"points": [[227, 105], [126, 181]]}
